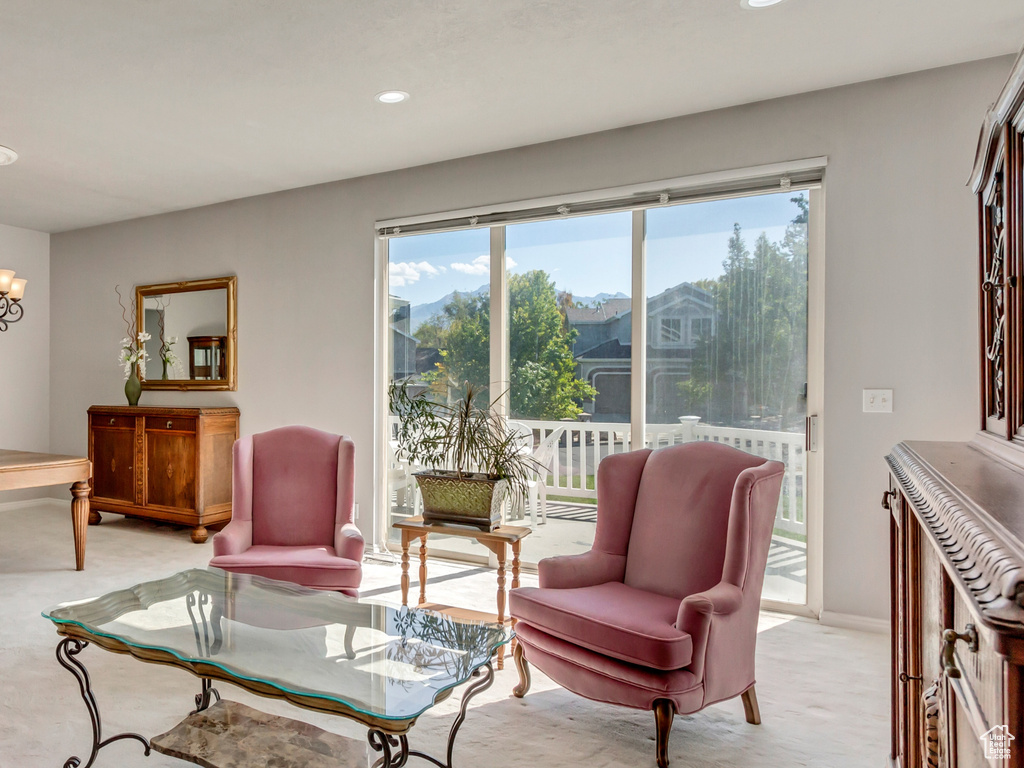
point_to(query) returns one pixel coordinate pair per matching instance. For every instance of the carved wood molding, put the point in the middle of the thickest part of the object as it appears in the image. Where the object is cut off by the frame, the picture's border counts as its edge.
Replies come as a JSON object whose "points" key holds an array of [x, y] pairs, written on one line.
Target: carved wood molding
{"points": [[989, 574]]}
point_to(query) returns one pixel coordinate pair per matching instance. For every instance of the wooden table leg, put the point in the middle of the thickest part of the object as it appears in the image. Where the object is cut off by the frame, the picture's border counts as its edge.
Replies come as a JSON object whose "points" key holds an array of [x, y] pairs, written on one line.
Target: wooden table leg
{"points": [[423, 569], [405, 568], [515, 564], [80, 520], [515, 582], [501, 551]]}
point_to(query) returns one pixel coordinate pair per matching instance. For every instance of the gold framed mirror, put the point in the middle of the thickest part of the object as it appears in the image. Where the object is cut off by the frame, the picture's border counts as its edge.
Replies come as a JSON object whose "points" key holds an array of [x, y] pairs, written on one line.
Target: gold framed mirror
{"points": [[193, 332]]}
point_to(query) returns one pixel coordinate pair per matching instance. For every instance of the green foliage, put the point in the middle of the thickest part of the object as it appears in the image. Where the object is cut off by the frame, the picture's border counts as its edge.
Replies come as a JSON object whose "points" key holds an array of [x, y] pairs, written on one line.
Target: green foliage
{"points": [[463, 437], [752, 368], [543, 371]]}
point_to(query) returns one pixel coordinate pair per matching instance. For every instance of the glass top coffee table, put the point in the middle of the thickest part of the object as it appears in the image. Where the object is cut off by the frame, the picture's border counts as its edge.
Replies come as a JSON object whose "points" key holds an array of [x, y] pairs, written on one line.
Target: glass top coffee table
{"points": [[377, 664]]}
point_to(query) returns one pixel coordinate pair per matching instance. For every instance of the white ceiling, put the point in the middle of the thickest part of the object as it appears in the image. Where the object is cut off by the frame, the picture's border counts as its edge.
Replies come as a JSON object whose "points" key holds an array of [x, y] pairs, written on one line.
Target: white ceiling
{"points": [[125, 108]]}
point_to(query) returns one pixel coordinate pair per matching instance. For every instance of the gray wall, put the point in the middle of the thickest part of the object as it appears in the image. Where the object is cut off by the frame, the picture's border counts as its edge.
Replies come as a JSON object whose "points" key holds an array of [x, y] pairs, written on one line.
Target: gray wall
{"points": [[900, 295], [25, 352]]}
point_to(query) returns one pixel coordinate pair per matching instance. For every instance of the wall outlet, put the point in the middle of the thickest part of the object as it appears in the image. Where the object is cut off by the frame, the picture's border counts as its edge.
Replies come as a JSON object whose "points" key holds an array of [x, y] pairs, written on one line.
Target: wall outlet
{"points": [[877, 401]]}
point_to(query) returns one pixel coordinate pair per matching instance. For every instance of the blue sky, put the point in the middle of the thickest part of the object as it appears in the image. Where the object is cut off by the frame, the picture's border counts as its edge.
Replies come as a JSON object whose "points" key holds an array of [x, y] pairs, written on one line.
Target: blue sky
{"points": [[588, 255]]}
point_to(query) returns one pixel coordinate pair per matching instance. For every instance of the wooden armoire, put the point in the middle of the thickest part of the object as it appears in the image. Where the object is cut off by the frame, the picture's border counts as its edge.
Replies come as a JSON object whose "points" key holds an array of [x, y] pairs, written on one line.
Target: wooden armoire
{"points": [[957, 512]]}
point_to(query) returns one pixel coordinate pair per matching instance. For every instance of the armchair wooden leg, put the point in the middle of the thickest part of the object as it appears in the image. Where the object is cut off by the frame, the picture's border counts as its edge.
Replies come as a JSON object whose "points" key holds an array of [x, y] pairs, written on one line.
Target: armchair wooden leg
{"points": [[664, 712], [750, 708], [524, 672]]}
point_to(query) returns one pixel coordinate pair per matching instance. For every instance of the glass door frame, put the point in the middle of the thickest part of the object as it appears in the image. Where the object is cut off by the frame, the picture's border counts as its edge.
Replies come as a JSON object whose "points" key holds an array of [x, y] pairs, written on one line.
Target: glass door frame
{"points": [[499, 367]]}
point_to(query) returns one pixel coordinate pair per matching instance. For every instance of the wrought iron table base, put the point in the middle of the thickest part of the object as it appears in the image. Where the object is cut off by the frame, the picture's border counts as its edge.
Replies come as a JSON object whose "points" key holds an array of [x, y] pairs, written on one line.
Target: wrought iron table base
{"points": [[69, 648], [67, 651], [384, 743]]}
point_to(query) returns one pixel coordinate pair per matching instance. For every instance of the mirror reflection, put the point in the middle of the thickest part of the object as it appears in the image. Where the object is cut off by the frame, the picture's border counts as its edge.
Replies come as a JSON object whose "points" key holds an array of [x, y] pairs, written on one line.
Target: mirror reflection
{"points": [[193, 332], [188, 335]]}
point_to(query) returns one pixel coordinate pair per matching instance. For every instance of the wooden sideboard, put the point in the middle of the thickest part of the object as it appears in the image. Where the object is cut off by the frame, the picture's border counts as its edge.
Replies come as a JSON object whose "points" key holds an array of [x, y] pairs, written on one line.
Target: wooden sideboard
{"points": [[957, 549], [169, 464]]}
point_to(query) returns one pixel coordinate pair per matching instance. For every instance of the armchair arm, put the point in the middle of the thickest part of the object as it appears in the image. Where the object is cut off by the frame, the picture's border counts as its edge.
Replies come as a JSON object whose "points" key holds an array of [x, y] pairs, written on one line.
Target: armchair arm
{"points": [[234, 539], [696, 613], [587, 569], [349, 543]]}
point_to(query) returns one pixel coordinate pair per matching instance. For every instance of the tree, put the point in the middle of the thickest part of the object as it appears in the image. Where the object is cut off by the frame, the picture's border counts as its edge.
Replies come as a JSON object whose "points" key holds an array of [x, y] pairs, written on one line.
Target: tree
{"points": [[543, 372], [750, 369]]}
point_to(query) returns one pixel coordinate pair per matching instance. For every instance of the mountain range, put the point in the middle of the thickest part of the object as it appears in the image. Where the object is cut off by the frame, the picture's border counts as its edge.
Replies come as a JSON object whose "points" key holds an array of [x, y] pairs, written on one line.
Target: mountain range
{"points": [[420, 313]]}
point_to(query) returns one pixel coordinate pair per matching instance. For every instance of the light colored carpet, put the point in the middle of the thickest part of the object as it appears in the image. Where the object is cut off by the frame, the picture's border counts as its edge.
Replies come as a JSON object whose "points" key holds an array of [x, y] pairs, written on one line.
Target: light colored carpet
{"points": [[823, 691]]}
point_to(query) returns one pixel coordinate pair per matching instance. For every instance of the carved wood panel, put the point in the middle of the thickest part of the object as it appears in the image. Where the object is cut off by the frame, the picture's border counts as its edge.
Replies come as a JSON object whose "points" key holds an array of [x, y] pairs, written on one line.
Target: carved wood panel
{"points": [[994, 300]]}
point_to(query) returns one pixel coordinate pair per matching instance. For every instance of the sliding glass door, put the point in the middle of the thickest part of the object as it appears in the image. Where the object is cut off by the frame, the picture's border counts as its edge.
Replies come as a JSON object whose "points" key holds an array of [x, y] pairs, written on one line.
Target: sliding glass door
{"points": [[719, 353], [727, 346]]}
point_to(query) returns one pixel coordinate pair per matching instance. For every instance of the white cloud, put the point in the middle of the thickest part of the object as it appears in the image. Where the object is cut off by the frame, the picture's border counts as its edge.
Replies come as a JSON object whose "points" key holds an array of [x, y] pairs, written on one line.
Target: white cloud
{"points": [[403, 273], [481, 265]]}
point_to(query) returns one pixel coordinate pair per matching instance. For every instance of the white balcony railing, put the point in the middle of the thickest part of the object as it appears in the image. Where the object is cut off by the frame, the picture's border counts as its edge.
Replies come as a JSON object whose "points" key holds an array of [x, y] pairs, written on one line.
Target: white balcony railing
{"points": [[583, 445]]}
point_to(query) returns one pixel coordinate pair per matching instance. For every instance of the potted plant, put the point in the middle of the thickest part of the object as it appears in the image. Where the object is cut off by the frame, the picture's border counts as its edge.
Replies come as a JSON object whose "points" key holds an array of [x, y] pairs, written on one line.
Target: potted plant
{"points": [[475, 462]]}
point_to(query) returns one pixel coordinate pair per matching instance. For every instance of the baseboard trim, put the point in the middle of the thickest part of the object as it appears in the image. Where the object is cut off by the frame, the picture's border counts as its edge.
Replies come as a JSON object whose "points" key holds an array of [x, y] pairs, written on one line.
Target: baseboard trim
{"points": [[852, 621], [31, 503]]}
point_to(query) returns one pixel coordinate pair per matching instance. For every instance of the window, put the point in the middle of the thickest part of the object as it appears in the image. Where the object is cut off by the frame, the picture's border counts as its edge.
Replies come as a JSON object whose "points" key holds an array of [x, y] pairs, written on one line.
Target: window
{"points": [[671, 330], [545, 312], [700, 328]]}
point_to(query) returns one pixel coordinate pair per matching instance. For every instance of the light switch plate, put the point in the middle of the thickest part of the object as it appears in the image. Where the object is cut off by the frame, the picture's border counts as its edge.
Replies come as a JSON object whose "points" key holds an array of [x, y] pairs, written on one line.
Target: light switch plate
{"points": [[877, 401]]}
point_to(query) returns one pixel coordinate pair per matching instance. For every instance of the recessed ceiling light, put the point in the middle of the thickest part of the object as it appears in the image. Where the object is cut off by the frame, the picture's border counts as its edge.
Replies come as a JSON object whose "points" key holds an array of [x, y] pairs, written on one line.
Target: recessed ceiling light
{"points": [[392, 97], [7, 155], [754, 4]]}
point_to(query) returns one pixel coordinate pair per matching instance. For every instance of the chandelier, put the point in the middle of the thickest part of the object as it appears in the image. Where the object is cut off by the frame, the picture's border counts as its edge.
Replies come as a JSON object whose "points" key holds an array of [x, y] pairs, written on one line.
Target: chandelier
{"points": [[11, 291]]}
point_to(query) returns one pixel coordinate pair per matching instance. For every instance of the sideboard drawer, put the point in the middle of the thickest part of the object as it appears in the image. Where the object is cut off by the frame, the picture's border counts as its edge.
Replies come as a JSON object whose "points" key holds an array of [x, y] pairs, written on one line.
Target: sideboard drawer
{"points": [[170, 424], [107, 421]]}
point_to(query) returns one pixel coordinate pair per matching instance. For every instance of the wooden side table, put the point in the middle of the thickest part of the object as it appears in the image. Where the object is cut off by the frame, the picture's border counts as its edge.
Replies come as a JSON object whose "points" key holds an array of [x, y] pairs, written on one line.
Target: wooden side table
{"points": [[497, 541]]}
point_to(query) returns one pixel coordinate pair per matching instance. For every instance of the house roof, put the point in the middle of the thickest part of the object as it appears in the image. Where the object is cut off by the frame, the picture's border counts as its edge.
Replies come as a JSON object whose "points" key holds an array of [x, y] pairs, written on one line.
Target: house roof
{"points": [[607, 310]]}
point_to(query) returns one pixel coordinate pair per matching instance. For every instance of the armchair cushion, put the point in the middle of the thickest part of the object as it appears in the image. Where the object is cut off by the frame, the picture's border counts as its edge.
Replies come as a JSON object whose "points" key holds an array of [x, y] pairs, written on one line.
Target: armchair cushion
{"points": [[612, 619], [312, 566]]}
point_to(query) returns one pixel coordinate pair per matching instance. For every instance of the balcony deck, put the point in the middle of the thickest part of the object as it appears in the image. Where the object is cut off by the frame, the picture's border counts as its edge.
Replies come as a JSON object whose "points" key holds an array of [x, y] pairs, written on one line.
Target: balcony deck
{"points": [[570, 530]]}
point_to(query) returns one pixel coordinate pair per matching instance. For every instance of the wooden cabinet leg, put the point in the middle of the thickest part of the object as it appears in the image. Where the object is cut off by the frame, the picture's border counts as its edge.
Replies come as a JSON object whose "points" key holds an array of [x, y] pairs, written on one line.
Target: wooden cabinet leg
{"points": [[79, 519], [200, 534], [94, 517]]}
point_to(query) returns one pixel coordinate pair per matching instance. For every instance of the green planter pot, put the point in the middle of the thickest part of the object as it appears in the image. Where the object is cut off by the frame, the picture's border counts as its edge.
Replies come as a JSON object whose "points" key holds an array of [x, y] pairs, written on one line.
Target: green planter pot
{"points": [[474, 499]]}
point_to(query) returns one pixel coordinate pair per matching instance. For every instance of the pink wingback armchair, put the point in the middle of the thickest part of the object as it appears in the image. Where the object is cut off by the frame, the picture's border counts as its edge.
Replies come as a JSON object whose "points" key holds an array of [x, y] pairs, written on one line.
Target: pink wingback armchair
{"points": [[292, 503], [661, 613]]}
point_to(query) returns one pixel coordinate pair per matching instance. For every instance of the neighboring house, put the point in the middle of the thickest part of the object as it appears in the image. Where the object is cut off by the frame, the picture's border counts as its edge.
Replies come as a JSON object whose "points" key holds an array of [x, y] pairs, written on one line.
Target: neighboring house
{"points": [[676, 319], [403, 343]]}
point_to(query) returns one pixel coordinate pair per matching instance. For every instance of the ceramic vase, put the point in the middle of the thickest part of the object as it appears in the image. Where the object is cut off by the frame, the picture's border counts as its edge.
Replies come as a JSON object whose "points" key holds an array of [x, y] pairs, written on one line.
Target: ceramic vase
{"points": [[133, 388]]}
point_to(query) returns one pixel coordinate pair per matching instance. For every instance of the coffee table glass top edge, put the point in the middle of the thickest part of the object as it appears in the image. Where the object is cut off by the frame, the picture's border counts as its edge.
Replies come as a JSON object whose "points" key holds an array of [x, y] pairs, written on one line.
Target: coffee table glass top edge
{"points": [[384, 661]]}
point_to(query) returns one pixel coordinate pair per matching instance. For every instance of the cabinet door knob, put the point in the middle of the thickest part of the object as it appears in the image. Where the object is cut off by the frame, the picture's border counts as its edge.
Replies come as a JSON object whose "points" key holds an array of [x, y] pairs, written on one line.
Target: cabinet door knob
{"points": [[112, 420], [169, 423], [949, 638], [887, 498]]}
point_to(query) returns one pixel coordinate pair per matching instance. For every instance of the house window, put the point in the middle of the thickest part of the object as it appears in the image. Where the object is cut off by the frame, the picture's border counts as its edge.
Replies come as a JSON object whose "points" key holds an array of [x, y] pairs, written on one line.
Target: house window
{"points": [[671, 330], [700, 328]]}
